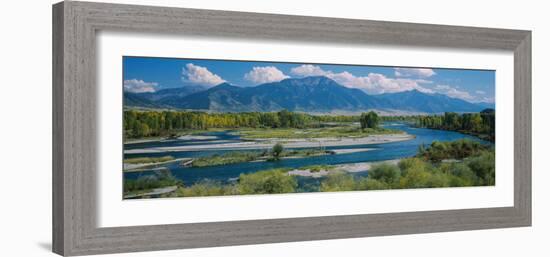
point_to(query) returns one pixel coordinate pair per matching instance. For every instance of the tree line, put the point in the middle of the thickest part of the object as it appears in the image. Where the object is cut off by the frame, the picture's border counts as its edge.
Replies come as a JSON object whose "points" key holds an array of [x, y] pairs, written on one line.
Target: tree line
{"points": [[139, 124], [481, 124]]}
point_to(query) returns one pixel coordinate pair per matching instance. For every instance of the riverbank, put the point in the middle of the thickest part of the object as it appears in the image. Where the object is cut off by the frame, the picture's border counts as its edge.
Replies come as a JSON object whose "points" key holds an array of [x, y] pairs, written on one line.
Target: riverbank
{"points": [[190, 135], [134, 167], [268, 143], [325, 170], [349, 130], [262, 156], [156, 192]]}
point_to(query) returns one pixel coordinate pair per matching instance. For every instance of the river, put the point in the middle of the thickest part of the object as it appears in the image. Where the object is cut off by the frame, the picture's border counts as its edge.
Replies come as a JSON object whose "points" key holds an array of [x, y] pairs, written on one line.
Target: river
{"points": [[228, 173]]}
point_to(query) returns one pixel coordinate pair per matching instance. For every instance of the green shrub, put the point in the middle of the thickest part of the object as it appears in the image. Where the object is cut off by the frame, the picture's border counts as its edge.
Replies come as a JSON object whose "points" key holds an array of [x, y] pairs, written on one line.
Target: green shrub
{"points": [[484, 167], [372, 184], [467, 176], [267, 182], [317, 168], [207, 188], [438, 179], [147, 183], [338, 181], [386, 173], [415, 178], [277, 150], [226, 158], [409, 164], [458, 149]]}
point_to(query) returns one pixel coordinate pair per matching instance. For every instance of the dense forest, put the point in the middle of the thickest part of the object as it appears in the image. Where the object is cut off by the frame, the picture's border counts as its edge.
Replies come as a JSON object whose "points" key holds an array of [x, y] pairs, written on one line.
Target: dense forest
{"points": [[479, 124], [139, 124]]}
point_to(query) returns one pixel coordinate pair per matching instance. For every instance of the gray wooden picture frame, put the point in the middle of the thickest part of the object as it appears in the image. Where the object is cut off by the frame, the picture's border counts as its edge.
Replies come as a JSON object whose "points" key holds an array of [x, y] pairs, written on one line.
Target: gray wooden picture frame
{"points": [[75, 25]]}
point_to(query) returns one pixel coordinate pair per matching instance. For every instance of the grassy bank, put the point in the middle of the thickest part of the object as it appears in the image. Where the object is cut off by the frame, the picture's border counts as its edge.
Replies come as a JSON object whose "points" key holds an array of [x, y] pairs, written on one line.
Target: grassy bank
{"points": [[318, 168], [292, 133], [248, 156], [226, 158], [342, 130], [170, 134], [147, 184], [144, 160]]}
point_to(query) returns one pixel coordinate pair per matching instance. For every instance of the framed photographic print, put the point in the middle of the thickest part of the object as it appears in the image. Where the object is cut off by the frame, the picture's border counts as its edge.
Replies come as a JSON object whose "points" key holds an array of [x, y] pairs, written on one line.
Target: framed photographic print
{"points": [[183, 128]]}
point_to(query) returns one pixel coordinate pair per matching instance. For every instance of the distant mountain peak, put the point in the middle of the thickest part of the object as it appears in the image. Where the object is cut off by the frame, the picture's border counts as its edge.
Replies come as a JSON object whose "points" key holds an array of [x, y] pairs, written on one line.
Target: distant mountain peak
{"points": [[224, 85], [416, 91], [308, 81], [317, 94]]}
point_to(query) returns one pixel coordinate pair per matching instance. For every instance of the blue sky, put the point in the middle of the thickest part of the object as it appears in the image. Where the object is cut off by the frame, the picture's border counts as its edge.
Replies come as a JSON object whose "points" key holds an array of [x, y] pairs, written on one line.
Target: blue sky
{"points": [[149, 74]]}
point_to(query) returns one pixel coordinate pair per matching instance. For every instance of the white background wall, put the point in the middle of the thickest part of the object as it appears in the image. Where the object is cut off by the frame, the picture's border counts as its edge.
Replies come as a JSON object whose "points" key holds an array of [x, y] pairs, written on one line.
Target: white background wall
{"points": [[25, 127]]}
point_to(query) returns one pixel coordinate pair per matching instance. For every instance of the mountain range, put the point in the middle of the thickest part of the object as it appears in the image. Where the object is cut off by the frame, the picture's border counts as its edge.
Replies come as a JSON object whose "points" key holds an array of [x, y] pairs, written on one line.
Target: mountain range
{"points": [[317, 94]]}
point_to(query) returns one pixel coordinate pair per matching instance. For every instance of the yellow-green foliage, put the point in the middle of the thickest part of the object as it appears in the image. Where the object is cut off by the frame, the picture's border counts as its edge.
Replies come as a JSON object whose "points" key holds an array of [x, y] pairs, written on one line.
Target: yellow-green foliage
{"points": [[417, 173], [207, 188], [317, 168], [338, 181], [386, 173], [226, 158], [372, 184], [484, 167], [263, 182], [293, 133], [248, 156], [477, 168], [148, 183], [480, 124], [458, 149], [267, 182], [303, 152], [142, 160], [138, 124]]}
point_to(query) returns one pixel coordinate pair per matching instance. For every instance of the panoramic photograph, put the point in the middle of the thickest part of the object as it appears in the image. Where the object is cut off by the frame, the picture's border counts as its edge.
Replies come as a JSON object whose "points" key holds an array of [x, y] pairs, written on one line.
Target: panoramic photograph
{"points": [[197, 127]]}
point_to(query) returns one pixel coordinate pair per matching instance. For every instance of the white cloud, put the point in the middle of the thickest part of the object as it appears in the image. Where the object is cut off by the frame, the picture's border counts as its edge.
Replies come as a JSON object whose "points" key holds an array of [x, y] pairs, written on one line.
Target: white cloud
{"points": [[487, 100], [200, 75], [373, 83], [265, 74], [308, 70], [423, 81], [414, 72], [455, 93], [443, 87], [139, 86]]}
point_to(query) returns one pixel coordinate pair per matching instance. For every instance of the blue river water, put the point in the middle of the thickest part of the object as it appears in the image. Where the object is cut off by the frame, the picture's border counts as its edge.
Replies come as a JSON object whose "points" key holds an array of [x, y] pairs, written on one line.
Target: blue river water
{"points": [[228, 173]]}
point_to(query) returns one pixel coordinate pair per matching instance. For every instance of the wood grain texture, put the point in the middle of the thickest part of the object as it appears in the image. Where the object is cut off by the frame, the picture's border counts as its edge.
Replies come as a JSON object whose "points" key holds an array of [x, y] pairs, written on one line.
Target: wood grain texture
{"points": [[58, 192], [75, 25]]}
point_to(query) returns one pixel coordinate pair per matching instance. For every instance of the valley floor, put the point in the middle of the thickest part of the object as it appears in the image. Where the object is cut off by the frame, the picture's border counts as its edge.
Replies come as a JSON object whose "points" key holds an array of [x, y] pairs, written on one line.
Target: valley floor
{"points": [[268, 143]]}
